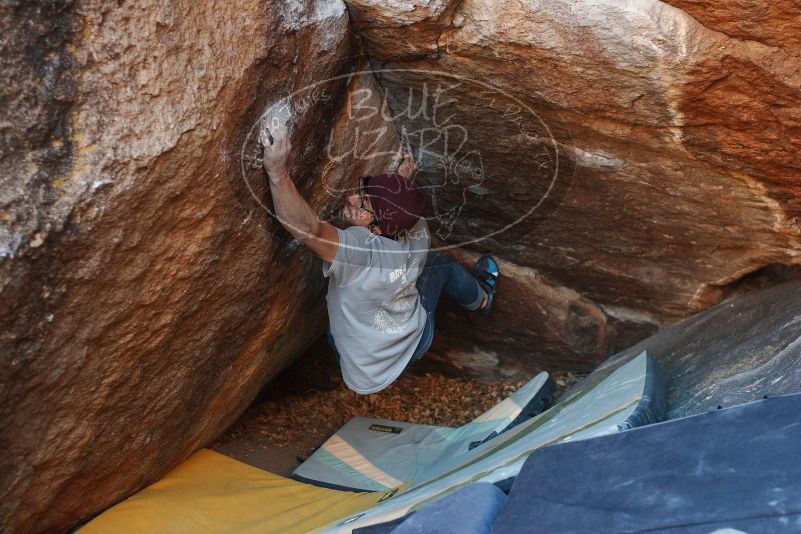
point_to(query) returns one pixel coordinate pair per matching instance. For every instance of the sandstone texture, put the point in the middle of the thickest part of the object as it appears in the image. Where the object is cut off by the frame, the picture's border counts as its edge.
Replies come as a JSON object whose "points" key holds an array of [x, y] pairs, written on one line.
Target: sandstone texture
{"points": [[146, 294], [631, 162], [776, 24], [640, 154], [534, 324]]}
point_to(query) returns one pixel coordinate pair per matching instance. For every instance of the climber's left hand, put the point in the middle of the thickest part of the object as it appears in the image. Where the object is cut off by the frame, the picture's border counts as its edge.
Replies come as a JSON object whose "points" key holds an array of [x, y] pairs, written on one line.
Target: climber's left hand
{"points": [[407, 166]]}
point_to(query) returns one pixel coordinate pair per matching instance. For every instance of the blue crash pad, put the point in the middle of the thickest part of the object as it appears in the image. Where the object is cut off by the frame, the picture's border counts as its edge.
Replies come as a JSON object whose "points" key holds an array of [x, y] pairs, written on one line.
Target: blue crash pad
{"points": [[736, 468], [468, 510]]}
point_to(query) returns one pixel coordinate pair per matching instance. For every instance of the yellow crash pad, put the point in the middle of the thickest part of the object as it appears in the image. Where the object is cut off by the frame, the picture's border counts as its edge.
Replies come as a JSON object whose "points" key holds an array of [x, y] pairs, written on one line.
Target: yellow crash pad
{"points": [[211, 492]]}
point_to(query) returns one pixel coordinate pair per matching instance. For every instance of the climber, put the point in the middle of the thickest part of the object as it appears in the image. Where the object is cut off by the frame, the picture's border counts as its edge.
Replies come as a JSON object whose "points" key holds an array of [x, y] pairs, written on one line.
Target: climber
{"points": [[384, 283]]}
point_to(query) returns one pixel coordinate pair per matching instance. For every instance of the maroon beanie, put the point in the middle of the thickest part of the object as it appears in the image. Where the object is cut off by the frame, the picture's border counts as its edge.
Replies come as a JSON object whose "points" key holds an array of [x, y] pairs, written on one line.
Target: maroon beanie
{"points": [[397, 201]]}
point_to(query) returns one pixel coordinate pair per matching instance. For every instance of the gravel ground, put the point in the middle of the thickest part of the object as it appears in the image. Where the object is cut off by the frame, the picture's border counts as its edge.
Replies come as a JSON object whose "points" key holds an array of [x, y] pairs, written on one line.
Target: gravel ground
{"points": [[308, 402]]}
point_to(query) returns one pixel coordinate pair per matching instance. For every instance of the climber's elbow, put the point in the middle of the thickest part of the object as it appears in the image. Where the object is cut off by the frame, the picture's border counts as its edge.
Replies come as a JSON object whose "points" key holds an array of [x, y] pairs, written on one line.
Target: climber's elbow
{"points": [[322, 239]]}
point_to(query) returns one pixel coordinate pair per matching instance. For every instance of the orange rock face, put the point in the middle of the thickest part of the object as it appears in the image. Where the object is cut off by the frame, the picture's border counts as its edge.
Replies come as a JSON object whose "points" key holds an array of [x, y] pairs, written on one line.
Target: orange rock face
{"points": [[146, 293], [776, 23], [675, 140]]}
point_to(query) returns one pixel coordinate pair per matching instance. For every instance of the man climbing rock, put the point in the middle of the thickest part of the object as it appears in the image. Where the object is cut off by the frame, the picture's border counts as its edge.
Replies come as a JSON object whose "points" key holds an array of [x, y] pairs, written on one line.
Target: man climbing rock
{"points": [[384, 283]]}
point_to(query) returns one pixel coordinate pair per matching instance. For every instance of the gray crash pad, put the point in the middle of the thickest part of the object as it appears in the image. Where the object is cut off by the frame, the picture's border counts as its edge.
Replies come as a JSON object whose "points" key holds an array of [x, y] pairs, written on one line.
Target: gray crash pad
{"points": [[730, 470]]}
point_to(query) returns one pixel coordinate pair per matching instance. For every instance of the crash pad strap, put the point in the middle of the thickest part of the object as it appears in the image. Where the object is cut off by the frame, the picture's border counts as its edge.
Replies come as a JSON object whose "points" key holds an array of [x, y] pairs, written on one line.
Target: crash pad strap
{"points": [[211, 492]]}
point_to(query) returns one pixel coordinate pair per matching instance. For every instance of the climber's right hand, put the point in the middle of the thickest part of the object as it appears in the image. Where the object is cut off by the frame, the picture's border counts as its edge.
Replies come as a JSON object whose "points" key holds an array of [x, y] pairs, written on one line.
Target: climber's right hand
{"points": [[277, 152]]}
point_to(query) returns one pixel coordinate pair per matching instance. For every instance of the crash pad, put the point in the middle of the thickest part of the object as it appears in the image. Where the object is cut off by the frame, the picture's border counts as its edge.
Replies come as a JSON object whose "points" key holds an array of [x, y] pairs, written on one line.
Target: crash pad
{"points": [[211, 492], [379, 454], [631, 395], [729, 470]]}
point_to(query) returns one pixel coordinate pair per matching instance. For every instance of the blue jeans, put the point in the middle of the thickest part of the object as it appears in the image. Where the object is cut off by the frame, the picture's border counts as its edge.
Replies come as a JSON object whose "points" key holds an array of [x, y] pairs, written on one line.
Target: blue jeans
{"points": [[440, 275]]}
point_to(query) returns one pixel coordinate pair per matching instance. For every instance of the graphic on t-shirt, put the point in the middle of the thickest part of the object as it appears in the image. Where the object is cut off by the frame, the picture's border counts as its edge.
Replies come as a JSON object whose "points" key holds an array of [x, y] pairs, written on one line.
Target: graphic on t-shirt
{"points": [[403, 299]]}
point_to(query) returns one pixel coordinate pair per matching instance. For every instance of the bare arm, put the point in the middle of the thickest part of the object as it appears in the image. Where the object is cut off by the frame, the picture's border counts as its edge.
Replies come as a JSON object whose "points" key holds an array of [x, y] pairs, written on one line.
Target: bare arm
{"points": [[292, 210]]}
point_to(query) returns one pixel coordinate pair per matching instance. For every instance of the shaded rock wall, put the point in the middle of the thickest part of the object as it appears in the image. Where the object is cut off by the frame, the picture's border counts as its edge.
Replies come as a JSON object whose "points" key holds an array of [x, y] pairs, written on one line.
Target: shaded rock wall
{"points": [[145, 293], [534, 324], [675, 141]]}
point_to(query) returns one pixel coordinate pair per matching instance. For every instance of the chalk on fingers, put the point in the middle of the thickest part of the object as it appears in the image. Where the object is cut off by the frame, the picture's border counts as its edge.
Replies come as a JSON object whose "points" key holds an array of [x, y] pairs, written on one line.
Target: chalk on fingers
{"points": [[266, 136]]}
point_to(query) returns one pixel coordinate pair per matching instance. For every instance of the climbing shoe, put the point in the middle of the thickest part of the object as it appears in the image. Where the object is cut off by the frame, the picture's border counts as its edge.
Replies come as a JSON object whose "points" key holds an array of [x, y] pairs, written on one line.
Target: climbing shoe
{"points": [[486, 271]]}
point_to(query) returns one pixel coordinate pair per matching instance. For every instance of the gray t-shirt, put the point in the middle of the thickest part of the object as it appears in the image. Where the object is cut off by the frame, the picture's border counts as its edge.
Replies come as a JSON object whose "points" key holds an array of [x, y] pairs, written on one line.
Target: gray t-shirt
{"points": [[374, 309]]}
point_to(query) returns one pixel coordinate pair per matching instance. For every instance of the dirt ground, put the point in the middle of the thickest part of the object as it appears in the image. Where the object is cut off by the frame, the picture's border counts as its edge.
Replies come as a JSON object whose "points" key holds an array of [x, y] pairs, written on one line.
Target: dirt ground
{"points": [[302, 407]]}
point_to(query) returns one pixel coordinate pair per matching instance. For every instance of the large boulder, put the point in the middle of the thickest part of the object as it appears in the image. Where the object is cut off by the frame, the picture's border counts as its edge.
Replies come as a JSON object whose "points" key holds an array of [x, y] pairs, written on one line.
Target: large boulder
{"points": [[642, 158], [146, 294]]}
